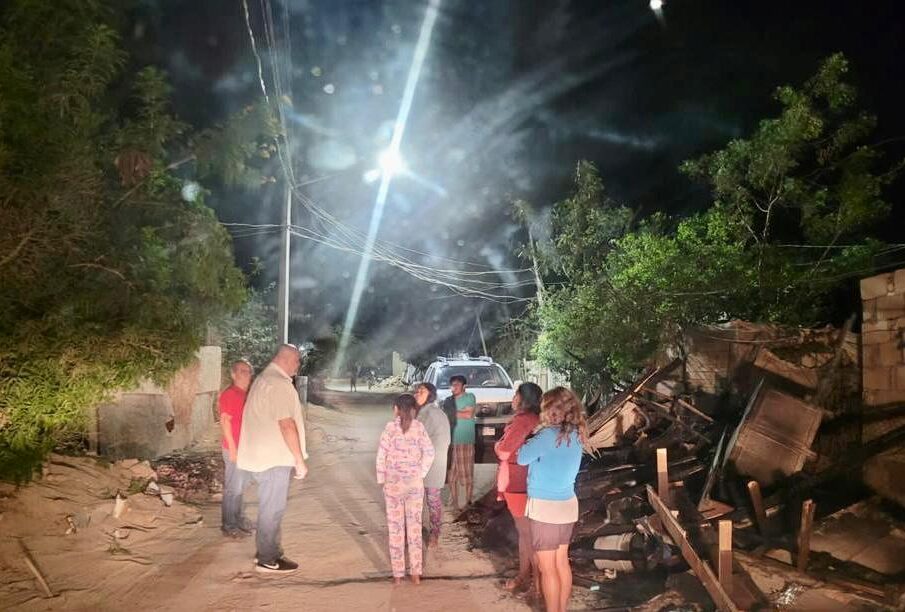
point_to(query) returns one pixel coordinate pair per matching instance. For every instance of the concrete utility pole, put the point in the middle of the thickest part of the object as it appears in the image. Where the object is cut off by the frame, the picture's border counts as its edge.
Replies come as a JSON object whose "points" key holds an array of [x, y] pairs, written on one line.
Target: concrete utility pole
{"points": [[283, 282], [481, 332]]}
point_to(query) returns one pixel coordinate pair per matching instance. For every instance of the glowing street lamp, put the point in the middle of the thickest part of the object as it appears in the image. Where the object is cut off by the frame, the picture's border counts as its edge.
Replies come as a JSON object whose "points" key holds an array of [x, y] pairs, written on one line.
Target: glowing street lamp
{"points": [[391, 162], [656, 5]]}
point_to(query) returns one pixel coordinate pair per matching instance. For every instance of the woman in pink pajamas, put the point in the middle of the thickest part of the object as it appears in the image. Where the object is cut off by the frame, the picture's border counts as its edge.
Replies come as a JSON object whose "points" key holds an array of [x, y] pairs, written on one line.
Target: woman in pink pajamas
{"points": [[404, 457]]}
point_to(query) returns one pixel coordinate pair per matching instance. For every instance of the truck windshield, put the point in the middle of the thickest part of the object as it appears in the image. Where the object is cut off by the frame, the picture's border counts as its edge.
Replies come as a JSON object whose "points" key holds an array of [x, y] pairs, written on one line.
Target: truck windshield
{"points": [[485, 376]]}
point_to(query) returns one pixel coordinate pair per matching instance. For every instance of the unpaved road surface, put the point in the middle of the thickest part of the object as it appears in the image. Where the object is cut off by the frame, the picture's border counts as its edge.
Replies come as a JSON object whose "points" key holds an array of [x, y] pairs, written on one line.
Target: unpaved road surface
{"points": [[334, 528]]}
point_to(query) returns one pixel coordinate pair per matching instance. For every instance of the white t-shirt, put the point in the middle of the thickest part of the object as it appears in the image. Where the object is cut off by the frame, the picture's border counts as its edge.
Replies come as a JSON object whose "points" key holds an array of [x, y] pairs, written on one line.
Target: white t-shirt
{"points": [[270, 399]]}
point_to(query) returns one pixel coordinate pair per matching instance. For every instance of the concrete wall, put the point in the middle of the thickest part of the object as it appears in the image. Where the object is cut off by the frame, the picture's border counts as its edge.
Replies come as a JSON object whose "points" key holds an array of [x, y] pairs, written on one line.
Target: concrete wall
{"points": [[149, 421]]}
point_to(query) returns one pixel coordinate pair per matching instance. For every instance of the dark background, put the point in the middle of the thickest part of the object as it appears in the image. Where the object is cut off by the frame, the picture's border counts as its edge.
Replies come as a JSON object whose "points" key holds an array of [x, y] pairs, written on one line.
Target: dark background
{"points": [[513, 94]]}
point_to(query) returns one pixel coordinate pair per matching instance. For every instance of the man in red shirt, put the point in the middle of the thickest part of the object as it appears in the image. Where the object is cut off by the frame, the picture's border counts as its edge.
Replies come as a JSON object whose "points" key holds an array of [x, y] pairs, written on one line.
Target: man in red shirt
{"points": [[232, 404]]}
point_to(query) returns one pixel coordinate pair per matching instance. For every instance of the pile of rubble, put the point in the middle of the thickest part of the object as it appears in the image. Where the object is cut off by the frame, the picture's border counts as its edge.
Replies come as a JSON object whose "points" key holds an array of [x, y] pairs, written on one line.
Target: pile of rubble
{"points": [[733, 474], [195, 476], [390, 383]]}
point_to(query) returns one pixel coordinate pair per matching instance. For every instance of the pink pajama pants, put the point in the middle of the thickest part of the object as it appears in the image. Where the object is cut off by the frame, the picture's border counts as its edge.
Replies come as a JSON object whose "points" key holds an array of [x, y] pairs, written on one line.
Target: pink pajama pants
{"points": [[404, 509], [434, 510]]}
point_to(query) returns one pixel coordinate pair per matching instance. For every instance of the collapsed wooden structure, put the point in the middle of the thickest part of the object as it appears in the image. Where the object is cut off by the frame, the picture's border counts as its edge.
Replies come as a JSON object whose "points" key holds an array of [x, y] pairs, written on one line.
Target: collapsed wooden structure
{"points": [[720, 459]]}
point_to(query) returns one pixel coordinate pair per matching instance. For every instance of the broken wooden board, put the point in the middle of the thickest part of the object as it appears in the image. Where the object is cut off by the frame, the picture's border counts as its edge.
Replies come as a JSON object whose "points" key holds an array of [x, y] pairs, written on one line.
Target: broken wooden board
{"points": [[700, 567], [774, 436]]}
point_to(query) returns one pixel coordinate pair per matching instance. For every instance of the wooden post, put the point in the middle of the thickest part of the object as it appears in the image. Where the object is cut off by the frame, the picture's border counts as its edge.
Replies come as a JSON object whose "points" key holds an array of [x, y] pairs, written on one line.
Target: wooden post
{"points": [[804, 533], [757, 500], [724, 561], [663, 477], [701, 569]]}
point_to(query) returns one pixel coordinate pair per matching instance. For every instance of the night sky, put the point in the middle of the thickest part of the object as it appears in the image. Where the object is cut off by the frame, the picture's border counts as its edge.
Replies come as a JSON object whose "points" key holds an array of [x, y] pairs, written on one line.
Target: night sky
{"points": [[513, 94]]}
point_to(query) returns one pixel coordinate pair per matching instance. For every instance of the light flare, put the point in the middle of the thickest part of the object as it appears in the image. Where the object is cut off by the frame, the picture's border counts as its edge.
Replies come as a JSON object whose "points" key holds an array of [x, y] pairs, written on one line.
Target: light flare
{"points": [[391, 153]]}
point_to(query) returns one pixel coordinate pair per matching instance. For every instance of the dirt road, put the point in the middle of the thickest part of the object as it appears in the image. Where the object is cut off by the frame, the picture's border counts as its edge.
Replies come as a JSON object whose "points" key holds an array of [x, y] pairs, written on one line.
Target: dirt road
{"points": [[334, 527]]}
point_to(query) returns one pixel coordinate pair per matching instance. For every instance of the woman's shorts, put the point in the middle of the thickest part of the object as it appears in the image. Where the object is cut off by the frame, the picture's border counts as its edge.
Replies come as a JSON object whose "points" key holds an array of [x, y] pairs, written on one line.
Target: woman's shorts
{"points": [[516, 503], [550, 536]]}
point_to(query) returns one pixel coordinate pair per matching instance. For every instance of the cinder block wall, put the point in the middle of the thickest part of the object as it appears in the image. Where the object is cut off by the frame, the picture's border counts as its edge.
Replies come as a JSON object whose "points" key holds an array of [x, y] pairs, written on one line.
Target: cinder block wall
{"points": [[883, 338], [883, 359], [150, 421]]}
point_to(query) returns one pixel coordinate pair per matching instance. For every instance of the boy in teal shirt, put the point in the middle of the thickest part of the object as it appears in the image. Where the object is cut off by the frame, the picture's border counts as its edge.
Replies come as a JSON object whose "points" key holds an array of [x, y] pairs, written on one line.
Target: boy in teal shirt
{"points": [[462, 468]]}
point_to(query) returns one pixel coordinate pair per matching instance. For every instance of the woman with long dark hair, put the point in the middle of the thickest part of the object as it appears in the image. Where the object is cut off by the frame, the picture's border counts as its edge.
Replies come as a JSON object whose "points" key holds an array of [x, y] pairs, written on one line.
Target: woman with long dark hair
{"points": [[553, 457], [404, 457], [512, 478], [437, 426]]}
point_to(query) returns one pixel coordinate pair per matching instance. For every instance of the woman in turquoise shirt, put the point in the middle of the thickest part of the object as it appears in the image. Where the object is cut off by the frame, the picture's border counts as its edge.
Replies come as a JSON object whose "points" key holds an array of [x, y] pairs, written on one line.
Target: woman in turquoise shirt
{"points": [[553, 457]]}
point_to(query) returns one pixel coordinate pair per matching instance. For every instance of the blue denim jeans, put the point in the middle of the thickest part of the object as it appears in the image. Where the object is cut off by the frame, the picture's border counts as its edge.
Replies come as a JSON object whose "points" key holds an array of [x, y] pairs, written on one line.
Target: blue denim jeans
{"points": [[273, 491], [234, 483]]}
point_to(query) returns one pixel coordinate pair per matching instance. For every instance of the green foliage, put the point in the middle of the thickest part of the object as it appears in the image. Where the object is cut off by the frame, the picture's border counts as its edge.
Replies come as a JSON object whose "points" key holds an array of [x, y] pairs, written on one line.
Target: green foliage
{"points": [[106, 274], [251, 332], [793, 208]]}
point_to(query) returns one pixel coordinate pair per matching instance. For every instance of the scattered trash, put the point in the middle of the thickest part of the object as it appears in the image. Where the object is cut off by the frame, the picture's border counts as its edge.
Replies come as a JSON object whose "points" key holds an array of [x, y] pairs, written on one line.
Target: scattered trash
{"points": [[143, 470], [120, 506]]}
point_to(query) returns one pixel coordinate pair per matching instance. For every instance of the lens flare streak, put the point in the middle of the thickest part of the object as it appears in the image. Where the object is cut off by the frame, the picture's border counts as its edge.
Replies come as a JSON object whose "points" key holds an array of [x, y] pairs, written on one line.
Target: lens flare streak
{"points": [[392, 152]]}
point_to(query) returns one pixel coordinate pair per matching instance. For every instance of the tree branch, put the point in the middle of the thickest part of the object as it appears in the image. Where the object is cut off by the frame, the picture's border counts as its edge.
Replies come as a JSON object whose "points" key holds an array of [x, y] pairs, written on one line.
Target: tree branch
{"points": [[18, 248], [100, 267]]}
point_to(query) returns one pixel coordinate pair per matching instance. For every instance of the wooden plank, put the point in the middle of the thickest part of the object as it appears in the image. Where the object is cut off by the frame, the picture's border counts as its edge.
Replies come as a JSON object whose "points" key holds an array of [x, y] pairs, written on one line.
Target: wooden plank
{"points": [[663, 476], [692, 409], [699, 567], [33, 567], [757, 501], [724, 563], [804, 533], [686, 405]]}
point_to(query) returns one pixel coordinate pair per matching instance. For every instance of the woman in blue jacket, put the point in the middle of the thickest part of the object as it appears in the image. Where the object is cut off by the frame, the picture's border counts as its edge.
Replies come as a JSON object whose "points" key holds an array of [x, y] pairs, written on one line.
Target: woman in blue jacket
{"points": [[553, 457]]}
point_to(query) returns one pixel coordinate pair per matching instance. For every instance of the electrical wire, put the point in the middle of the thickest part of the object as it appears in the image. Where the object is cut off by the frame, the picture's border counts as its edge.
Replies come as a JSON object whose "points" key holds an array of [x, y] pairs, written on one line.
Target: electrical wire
{"points": [[341, 236]]}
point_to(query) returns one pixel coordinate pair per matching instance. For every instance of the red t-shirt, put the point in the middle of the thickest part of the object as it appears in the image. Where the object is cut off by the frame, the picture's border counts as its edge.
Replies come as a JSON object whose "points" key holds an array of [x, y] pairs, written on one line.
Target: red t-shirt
{"points": [[232, 402]]}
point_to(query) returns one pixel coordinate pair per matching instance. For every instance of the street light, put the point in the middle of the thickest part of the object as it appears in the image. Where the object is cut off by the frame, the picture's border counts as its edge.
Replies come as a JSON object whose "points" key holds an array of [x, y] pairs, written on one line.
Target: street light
{"points": [[656, 5], [391, 162]]}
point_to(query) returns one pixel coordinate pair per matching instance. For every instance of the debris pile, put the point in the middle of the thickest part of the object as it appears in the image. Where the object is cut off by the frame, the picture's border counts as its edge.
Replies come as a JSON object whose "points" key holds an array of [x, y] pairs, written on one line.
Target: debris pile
{"points": [[194, 476], [84, 510], [390, 383], [740, 461]]}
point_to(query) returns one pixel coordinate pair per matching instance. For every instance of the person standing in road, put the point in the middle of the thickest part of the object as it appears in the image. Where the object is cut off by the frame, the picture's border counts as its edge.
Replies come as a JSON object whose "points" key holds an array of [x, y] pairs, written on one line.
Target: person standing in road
{"points": [[512, 479], [404, 457], [271, 445], [353, 379], [553, 457], [232, 404], [463, 439], [437, 426]]}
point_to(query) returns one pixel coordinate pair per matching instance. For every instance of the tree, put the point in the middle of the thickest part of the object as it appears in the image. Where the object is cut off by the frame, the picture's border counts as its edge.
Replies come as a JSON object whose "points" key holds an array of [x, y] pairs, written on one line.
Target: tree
{"points": [[793, 209], [583, 230], [109, 268], [251, 332]]}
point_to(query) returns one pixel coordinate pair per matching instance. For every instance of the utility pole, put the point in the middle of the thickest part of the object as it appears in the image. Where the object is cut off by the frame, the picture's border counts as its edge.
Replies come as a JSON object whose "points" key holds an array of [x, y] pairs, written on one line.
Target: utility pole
{"points": [[477, 314], [283, 282]]}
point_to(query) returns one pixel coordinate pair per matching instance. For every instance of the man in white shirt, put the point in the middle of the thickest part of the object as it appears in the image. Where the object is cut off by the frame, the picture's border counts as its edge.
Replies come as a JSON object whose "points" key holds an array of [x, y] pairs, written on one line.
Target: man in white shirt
{"points": [[272, 444]]}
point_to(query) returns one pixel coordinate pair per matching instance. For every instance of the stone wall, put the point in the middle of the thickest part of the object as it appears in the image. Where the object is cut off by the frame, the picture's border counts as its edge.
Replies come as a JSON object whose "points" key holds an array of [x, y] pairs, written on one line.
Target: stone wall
{"points": [[149, 421]]}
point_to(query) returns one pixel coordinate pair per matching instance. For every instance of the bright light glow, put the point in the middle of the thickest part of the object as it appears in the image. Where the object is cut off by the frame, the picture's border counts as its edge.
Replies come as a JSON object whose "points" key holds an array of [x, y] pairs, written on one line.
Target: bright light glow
{"points": [[656, 5], [371, 175], [391, 162], [408, 94]]}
